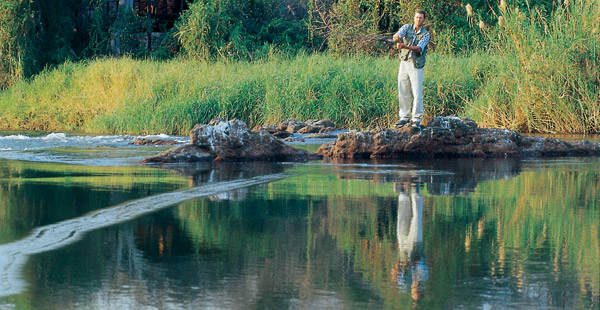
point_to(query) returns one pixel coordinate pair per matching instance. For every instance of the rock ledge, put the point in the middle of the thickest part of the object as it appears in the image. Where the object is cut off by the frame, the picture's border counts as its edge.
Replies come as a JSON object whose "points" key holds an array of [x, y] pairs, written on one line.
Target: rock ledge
{"points": [[222, 140], [450, 137]]}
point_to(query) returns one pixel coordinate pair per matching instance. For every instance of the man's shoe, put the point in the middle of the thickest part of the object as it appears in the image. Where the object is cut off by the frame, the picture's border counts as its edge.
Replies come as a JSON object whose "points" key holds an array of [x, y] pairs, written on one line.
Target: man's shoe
{"points": [[416, 125], [401, 123]]}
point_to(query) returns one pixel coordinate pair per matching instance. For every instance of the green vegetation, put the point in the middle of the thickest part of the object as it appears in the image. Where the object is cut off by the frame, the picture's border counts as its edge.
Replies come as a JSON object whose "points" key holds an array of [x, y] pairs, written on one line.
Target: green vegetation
{"points": [[549, 76], [15, 54], [504, 65], [142, 96]]}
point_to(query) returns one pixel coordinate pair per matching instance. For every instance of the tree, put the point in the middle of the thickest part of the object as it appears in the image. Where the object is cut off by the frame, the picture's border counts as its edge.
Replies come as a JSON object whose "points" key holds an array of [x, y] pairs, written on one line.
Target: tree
{"points": [[16, 57]]}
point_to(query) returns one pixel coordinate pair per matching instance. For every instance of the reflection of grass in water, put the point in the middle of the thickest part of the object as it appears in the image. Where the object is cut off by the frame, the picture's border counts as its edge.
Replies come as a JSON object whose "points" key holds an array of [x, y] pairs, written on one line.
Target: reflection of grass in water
{"points": [[553, 208], [20, 172], [73, 189], [214, 226], [307, 147], [317, 181], [105, 151]]}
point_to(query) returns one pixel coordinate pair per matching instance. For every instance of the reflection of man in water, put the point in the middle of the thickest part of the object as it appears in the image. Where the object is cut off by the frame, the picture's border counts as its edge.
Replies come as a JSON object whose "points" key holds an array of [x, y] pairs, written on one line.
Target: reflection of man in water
{"points": [[411, 270]]}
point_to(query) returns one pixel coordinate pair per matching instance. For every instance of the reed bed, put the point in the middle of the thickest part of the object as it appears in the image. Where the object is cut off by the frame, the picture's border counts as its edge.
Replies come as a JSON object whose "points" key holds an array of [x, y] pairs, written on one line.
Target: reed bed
{"points": [[125, 95], [540, 75], [547, 76]]}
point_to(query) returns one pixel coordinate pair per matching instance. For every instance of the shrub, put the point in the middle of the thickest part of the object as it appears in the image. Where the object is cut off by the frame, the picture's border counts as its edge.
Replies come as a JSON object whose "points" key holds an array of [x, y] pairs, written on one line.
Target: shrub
{"points": [[239, 30]]}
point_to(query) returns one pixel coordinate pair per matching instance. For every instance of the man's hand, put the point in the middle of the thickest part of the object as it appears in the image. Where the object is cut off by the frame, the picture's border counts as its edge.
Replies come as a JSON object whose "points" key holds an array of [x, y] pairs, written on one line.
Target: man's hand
{"points": [[396, 38], [400, 45]]}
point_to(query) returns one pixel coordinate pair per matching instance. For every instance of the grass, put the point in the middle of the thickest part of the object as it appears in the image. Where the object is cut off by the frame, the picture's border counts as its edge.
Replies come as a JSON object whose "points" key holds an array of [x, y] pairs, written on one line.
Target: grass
{"points": [[536, 79], [142, 96], [548, 79]]}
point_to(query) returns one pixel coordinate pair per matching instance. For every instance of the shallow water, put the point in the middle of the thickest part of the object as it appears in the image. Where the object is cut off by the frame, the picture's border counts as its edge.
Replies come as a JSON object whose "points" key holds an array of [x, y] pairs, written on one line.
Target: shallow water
{"points": [[84, 226]]}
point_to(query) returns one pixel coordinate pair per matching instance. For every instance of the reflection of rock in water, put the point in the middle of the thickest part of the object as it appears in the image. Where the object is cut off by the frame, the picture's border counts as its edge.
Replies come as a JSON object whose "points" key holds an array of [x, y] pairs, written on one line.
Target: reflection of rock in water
{"points": [[209, 172], [442, 176], [466, 174], [239, 194]]}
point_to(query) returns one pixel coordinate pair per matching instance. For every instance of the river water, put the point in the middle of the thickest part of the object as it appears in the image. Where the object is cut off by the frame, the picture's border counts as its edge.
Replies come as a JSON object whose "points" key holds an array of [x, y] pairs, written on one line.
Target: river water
{"points": [[84, 226]]}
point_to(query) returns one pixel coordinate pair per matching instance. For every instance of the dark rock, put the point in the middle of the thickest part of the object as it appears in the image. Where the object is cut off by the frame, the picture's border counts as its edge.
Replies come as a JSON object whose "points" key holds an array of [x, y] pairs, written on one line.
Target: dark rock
{"points": [[323, 135], [269, 128], [450, 137], [183, 153], [308, 129], [321, 123], [281, 134], [232, 141], [326, 129], [142, 141], [294, 126], [310, 126]]}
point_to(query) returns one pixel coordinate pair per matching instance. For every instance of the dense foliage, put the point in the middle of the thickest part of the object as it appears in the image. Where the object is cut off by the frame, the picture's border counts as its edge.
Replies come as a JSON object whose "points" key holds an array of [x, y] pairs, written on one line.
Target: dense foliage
{"points": [[509, 63], [39, 33], [16, 60]]}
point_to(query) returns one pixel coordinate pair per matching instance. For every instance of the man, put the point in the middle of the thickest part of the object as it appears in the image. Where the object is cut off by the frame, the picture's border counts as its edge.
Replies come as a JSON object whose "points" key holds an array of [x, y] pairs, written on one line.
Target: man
{"points": [[412, 42]]}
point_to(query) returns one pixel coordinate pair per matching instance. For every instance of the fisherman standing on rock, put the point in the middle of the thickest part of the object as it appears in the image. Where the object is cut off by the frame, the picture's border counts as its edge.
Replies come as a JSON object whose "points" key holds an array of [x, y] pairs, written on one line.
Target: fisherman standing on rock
{"points": [[412, 42]]}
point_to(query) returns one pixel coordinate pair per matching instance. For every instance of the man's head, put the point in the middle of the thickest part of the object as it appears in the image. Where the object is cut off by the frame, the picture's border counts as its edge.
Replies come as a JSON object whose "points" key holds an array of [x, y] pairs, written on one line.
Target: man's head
{"points": [[419, 18]]}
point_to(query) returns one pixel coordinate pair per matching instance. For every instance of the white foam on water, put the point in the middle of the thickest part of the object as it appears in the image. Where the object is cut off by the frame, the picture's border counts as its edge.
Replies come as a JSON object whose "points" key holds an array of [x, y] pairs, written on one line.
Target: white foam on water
{"points": [[51, 237], [161, 136], [56, 137], [14, 137], [43, 148]]}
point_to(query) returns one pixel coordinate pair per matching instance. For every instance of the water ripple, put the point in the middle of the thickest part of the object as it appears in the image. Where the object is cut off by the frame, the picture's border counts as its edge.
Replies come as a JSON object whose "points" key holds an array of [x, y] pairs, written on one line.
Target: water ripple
{"points": [[50, 237]]}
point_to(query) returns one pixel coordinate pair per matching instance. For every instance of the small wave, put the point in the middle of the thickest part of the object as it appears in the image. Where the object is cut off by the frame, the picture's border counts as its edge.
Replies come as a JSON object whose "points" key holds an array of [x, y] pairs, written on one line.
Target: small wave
{"points": [[6, 149], [161, 136], [14, 137], [56, 136]]}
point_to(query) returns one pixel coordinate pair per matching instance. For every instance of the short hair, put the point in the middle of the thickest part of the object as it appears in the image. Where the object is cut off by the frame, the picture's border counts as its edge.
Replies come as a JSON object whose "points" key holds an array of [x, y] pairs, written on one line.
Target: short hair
{"points": [[419, 11]]}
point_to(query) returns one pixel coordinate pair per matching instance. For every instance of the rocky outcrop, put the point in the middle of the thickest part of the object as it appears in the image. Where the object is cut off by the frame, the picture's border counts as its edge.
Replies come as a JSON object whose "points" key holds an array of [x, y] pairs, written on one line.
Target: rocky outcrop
{"points": [[450, 137], [143, 141], [183, 153], [222, 140], [289, 127]]}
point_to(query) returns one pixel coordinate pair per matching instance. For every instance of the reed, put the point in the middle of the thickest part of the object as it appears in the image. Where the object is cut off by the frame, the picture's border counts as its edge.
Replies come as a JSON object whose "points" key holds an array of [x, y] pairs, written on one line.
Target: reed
{"points": [[144, 96], [542, 75], [547, 73]]}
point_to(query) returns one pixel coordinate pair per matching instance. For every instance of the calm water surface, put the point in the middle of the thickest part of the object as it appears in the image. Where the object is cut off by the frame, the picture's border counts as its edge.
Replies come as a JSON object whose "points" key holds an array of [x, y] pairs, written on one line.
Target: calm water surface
{"points": [[83, 226]]}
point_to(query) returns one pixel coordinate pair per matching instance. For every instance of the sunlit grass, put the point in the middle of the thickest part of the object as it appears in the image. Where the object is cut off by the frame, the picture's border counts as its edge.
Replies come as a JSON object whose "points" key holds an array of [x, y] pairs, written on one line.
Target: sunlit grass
{"points": [[534, 79], [143, 96], [547, 75]]}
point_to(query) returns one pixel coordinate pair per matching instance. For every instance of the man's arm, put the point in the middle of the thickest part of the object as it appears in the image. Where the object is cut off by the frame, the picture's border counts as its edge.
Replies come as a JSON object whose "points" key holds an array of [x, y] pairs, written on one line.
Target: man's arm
{"points": [[417, 48], [401, 33]]}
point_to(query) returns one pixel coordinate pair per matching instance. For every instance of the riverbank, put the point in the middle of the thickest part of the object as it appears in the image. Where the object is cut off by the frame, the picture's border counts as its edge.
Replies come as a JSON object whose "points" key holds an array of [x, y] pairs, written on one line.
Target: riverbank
{"points": [[127, 96]]}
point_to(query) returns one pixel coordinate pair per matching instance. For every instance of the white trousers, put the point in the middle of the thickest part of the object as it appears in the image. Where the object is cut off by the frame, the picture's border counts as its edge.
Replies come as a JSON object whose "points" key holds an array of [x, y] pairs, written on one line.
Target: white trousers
{"points": [[410, 91]]}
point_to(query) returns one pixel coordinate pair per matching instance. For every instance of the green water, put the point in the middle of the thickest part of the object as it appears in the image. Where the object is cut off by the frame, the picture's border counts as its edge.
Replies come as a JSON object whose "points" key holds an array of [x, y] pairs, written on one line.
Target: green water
{"points": [[445, 234]]}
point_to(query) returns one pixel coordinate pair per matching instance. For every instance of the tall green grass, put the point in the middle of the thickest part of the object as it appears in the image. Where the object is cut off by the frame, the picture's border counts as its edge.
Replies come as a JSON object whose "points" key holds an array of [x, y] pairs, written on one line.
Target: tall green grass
{"points": [[542, 75], [547, 77], [143, 96]]}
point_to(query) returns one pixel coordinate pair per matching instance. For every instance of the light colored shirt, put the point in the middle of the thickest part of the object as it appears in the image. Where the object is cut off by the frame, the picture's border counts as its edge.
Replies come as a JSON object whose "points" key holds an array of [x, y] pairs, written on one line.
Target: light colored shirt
{"points": [[424, 40]]}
